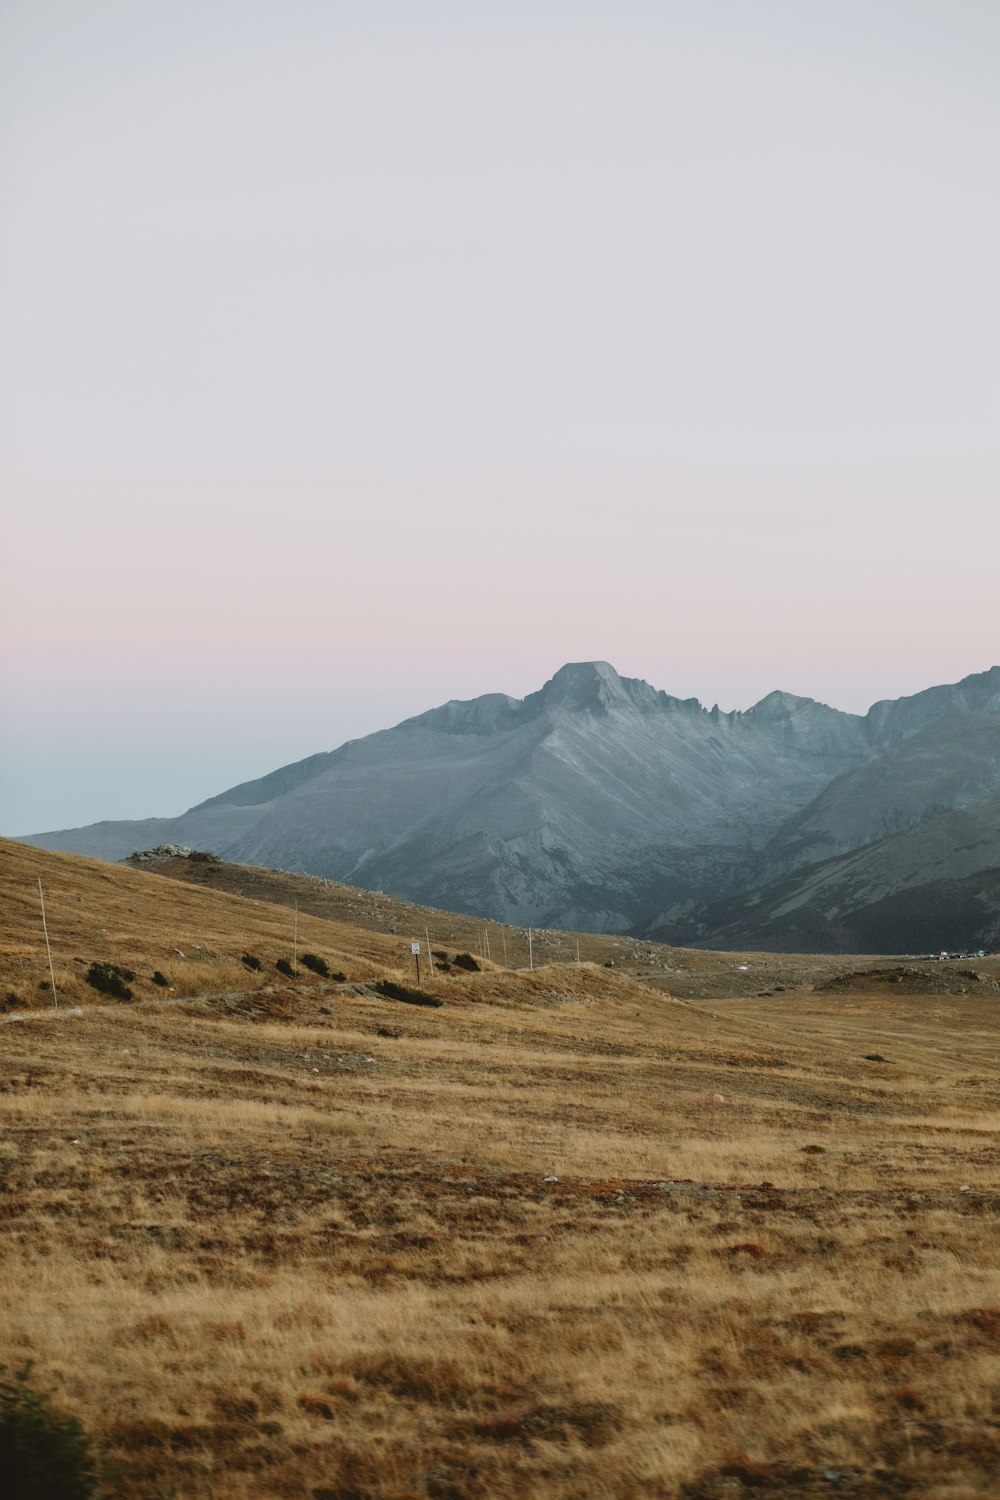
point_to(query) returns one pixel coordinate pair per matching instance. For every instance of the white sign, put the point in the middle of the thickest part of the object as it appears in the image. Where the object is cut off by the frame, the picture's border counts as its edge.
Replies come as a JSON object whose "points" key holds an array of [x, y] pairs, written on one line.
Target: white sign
{"points": [[414, 947]]}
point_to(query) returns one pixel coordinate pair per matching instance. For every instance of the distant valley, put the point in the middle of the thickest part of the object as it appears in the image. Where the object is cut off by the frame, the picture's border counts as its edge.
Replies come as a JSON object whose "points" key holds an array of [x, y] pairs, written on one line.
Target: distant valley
{"points": [[601, 804]]}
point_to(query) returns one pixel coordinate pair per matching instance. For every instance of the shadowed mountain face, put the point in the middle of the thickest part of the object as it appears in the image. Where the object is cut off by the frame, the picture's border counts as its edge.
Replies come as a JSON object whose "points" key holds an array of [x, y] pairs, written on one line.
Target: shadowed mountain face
{"points": [[596, 802], [935, 886], [951, 763]]}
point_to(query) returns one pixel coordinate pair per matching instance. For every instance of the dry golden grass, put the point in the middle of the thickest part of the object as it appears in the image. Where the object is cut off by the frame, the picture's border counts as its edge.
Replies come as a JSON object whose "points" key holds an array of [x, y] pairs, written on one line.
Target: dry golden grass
{"points": [[686, 971], [300, 1241]]}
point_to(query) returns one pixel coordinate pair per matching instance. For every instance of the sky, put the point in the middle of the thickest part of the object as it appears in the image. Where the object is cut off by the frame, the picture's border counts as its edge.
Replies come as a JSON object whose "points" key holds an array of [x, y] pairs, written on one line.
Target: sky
{"points": [[359, 356]]}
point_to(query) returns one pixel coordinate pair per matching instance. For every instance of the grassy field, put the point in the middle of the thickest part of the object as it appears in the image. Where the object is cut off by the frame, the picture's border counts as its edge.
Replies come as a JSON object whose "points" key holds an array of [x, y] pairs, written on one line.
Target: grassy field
{"points": [[565, 1235]]}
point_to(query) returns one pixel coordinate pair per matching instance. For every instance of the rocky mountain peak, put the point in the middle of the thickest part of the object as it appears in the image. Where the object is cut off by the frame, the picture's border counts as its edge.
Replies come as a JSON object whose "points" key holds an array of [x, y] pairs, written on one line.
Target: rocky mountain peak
{"points": [[778, 705], [582, 687]]}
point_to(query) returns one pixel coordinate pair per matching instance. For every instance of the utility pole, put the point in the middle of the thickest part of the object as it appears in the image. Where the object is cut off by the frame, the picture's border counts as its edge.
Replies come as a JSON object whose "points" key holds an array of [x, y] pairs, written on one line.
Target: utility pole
{"points": [[295, 939], [52, 975], [531, 961], [503, 940]]}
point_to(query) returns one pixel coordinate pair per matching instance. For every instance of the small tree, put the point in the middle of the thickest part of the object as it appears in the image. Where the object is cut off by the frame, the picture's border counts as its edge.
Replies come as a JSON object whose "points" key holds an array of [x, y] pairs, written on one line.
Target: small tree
{"points": [[110, 979]]}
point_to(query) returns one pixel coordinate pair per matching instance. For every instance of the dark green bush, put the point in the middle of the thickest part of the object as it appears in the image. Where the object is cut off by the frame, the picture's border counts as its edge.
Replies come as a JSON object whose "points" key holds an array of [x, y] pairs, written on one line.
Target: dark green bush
{"points": [[251, 961], [394, 991], [12, 1001], [466, 961], [339, 976], [43, 1456], [160, 979], [110, 979], [284, 967], [316, 964]]}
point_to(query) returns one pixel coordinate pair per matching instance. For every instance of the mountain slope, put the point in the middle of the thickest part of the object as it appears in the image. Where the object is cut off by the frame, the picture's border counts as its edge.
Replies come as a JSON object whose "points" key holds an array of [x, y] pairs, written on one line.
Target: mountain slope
{"points": [[950, 763], [934, 886], [894, 719]]}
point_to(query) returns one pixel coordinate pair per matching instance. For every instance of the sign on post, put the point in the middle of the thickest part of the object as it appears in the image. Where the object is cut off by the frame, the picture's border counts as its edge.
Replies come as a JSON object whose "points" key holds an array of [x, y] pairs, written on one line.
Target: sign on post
{"points": [[415, 950]]}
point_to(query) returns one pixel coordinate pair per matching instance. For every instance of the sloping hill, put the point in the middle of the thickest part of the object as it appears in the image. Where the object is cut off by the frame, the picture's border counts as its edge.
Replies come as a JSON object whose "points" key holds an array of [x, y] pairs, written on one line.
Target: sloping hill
{"points": [[562, 1236], [194, 918]]}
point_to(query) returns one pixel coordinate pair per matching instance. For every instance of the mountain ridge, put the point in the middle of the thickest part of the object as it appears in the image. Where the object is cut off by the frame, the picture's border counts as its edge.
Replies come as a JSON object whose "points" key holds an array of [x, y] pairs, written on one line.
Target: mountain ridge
{"points": [[594, 803]]}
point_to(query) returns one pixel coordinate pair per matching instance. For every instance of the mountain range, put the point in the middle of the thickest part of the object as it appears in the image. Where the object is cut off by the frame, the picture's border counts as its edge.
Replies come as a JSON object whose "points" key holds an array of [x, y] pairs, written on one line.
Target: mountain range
{"points": [[599, 803]]}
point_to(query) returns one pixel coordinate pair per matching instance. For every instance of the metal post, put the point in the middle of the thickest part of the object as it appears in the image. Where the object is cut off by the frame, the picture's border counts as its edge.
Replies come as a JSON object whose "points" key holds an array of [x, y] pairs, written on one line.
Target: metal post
{"points": [[52, 972]]}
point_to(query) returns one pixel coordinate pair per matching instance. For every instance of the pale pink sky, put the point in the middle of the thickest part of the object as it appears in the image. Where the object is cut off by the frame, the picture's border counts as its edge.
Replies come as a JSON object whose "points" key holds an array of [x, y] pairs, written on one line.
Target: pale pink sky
{"points": [[359, 357]]}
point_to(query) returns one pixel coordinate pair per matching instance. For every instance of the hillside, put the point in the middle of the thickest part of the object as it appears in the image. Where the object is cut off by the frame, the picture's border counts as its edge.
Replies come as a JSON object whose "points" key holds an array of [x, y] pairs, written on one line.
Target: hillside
{"points": [[193, 919], [595, 803], [562, 1235]]}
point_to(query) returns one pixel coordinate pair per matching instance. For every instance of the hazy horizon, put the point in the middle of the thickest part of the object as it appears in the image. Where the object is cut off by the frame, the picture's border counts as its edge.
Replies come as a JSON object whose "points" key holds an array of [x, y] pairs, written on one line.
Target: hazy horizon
{"points": [[359, 358]]}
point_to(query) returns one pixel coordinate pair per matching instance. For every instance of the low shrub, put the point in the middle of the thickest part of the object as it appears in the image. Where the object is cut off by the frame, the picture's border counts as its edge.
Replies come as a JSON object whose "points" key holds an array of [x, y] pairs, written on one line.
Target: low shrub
{"points": [[12, 1001], [43, 1456], [110, 979], [252, 962], [316, 964], [339, 976], [466, 961], [160, 979], [284, 967], [393, 991]]}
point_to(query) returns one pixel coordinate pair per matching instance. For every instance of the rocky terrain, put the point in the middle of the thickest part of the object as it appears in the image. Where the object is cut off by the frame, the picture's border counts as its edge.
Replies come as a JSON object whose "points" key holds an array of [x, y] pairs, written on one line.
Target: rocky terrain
{"points": [[602, 804]]}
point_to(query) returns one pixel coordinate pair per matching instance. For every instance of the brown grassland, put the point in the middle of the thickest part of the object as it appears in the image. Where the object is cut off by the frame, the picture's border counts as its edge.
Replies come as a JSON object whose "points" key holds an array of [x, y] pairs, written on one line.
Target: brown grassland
{"points": [[565, 1236]]}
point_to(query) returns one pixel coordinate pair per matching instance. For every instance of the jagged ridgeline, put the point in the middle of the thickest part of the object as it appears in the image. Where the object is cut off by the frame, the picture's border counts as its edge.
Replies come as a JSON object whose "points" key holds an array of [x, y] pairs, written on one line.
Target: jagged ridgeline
{"points": [[602, 804]]}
